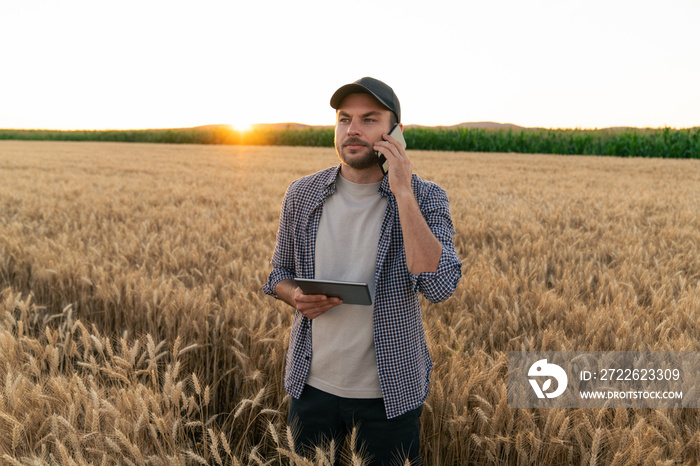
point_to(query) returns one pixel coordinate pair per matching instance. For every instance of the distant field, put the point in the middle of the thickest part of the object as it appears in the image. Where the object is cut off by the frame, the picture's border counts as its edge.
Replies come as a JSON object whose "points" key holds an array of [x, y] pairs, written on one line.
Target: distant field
{"points": [[624, 142], [133, 328]]}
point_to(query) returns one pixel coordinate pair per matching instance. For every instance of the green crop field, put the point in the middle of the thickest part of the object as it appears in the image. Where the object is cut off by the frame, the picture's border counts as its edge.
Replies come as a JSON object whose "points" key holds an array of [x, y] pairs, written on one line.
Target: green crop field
{"points": [[665, 143]]}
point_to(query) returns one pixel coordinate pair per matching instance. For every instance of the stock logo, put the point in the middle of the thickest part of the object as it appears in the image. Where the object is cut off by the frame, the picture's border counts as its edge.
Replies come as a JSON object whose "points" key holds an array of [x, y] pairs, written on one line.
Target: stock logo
{"points": [[543, 369]]}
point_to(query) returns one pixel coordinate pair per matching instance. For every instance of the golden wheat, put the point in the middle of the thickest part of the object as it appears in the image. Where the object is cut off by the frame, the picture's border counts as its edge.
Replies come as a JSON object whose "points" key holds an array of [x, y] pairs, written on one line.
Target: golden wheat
{"points": [[133, 329]]}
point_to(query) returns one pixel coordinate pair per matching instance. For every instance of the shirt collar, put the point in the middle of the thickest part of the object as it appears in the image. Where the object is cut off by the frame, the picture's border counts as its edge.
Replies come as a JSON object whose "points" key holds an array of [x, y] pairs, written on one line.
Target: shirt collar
{"points": [[334, 173]]}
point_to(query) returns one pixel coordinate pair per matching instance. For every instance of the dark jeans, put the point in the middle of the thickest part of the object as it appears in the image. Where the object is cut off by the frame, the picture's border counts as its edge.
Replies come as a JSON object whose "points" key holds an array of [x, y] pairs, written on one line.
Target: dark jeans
{"points": [[318, 416]]}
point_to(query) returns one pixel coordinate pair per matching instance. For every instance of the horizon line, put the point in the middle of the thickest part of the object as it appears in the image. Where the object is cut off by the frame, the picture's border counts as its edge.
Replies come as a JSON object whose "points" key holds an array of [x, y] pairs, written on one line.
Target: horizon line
{"points": [[476, 124]]}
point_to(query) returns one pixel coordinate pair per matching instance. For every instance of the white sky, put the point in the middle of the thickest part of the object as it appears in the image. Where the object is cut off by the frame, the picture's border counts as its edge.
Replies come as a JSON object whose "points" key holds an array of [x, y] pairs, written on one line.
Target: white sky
{"points": [[151, 64]]}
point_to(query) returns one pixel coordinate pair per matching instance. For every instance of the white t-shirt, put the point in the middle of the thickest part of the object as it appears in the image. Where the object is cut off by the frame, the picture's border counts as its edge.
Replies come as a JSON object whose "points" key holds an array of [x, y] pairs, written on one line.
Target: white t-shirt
{"points": [[343, 361]]}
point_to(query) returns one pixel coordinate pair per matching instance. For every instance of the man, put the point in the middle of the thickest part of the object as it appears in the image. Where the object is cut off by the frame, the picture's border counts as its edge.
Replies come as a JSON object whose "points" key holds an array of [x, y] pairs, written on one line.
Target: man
{"points": [[354, 365]]}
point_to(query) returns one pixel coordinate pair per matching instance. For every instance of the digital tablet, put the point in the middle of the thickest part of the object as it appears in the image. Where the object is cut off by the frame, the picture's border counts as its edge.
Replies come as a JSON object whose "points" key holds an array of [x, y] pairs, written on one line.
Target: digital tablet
{"points": [[349, 292]]}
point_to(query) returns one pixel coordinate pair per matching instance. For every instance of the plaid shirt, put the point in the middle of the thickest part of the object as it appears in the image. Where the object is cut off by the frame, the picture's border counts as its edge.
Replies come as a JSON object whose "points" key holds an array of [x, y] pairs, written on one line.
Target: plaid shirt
{"points": [[403, 360]]}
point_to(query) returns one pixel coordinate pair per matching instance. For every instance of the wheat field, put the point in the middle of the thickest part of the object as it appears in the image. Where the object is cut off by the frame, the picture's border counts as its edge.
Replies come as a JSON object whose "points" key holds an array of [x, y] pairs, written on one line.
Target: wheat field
{"points": [[133, 328]]}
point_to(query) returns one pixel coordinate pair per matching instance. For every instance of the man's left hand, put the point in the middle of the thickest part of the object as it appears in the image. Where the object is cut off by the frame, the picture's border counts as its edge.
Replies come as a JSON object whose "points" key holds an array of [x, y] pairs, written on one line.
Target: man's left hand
{"points": [[400, 168]]}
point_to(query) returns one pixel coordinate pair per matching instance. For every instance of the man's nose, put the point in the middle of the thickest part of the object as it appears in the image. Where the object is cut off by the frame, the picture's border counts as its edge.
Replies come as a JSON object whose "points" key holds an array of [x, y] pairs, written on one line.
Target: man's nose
{"points": [[354, 127]]}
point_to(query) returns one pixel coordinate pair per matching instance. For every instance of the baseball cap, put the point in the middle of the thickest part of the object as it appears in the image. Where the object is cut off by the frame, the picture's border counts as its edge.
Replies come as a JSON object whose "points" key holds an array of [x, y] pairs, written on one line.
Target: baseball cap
{"points": [[383, 93]]}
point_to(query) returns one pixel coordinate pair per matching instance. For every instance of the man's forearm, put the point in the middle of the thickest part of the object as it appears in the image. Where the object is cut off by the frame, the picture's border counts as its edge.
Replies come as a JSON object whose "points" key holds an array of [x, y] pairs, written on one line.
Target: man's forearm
{"points": [[285, 291], [423, 249]]}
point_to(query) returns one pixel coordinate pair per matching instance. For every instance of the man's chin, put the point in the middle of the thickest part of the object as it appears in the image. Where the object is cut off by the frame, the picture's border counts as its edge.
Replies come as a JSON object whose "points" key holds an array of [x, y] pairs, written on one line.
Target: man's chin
{"points": [[358, 161]]}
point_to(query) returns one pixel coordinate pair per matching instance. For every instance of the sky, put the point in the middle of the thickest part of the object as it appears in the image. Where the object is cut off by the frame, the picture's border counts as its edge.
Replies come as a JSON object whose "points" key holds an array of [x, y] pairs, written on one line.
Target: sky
{"points": [[103, 64]]}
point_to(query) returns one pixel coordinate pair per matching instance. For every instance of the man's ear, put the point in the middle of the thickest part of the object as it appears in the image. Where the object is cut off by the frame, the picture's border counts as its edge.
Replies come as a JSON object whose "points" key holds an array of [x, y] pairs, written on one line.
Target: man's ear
{"points": [[401, 126]]}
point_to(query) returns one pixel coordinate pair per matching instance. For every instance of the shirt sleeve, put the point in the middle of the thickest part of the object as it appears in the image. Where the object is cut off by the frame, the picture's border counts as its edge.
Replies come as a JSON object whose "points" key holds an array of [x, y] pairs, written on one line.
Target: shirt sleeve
{"points": [[283, 267], [440, 285]]}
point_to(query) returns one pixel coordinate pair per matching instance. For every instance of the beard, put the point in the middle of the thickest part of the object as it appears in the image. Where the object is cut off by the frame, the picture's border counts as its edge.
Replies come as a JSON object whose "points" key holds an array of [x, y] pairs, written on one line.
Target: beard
{"points": [[358, 160]]}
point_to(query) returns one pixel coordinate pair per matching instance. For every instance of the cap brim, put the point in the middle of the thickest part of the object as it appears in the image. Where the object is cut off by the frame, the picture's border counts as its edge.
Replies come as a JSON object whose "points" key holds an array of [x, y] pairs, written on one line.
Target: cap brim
{"points": [[353, 88]]}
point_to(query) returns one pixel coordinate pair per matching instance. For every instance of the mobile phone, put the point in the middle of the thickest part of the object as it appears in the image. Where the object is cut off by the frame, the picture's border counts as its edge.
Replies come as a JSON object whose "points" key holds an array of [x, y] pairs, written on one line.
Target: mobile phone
{"points": [[381, 159]]}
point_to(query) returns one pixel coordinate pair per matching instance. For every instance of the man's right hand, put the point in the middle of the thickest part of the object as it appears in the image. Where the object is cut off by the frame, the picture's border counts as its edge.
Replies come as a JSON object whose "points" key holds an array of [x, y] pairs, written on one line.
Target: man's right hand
{"points": [[309, 305]]}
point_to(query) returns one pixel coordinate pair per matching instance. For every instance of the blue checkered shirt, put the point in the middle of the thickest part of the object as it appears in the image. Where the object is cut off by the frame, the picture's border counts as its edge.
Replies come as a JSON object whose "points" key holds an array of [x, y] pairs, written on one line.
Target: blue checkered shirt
{"points": [[403, 360]]}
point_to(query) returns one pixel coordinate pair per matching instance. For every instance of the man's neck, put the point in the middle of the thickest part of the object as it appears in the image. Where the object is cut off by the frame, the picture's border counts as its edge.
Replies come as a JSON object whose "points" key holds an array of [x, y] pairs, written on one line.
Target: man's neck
{"points": [[363, 176]]}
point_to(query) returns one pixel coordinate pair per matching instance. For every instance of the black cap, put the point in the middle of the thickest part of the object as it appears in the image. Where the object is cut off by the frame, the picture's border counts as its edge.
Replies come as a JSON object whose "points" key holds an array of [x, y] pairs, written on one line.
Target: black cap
{"points": [[383, 93]]}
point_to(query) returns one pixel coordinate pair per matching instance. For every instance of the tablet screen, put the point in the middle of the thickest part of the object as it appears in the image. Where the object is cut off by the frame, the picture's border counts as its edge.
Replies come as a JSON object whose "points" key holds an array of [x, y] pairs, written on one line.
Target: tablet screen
{"points": [[349, 292]]}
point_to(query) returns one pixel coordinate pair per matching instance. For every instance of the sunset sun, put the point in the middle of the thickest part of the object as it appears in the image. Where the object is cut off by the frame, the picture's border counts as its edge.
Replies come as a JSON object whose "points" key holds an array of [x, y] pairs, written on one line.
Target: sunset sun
{"points": [[242, 126]]}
